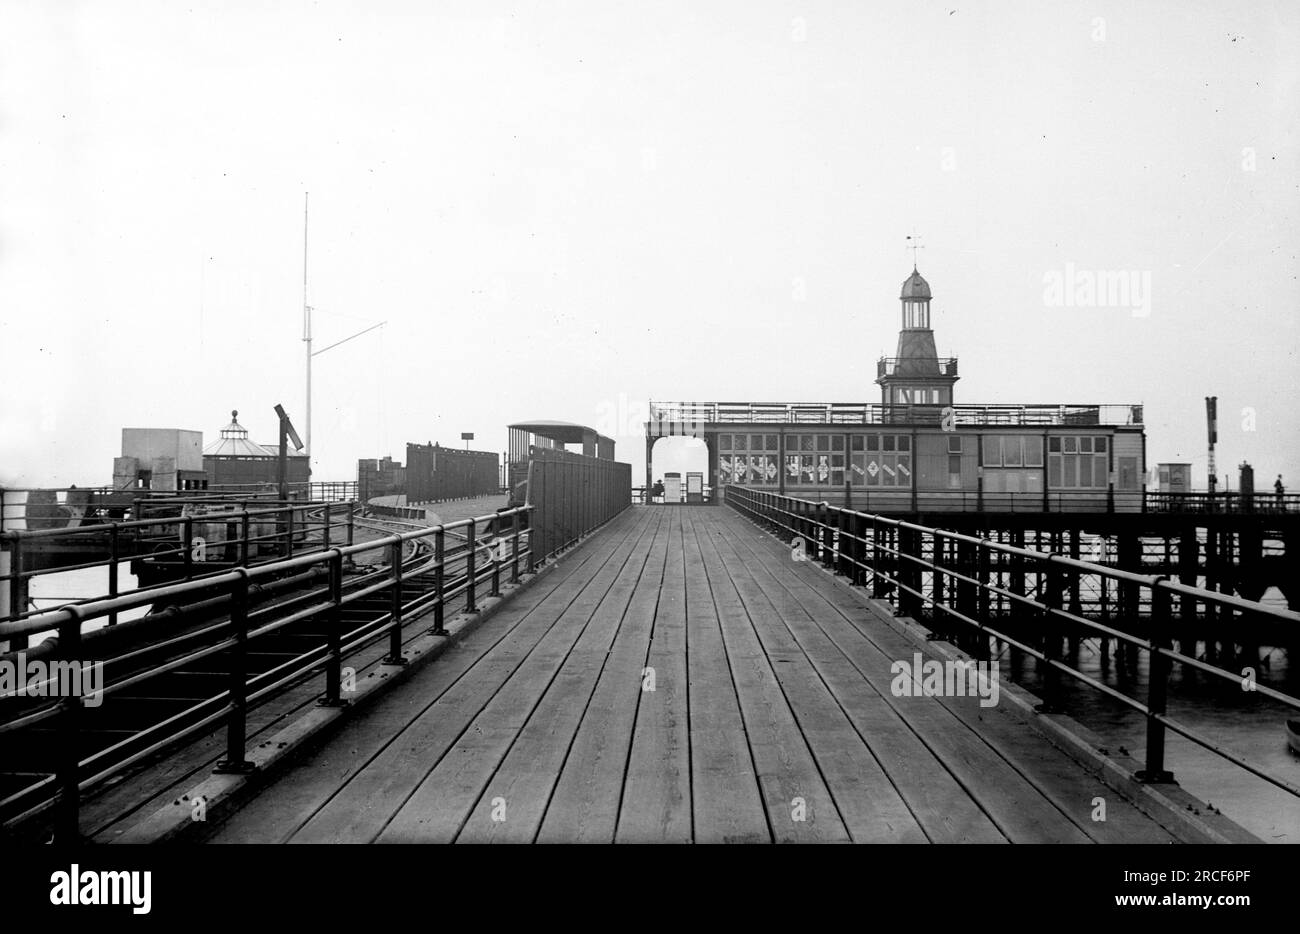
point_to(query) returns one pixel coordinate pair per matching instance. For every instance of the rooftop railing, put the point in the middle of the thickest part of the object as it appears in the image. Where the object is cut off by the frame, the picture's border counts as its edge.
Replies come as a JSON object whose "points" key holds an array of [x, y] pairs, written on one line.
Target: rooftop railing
{"points": [[891, 366], [869, 413]]}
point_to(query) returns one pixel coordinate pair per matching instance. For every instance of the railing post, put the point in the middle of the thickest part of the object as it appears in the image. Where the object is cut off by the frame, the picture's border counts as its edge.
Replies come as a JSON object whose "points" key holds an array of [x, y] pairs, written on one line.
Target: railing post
{"points": [[237, 720], [471, 569], [1157, 688], [187, 534], [289, 543], [67, 827], [334, 637], [909, 602], [352, 508], [495, 554], [244, 530], [325, 531], [985, 595], [941, 583], [395, 610], [17, 589], [514, 547], [439, 581], [1051, 640], [827, 536], [877, 582], [114, 557]]}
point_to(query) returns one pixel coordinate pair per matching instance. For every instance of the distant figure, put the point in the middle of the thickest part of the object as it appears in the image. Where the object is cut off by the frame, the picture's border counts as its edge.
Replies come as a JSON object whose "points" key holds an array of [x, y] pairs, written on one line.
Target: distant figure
{"points": [[657, 491], [1279, 489]]}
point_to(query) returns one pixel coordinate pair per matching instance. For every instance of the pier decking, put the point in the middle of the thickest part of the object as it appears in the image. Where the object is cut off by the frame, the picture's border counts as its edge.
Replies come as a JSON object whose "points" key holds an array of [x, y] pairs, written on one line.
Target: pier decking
{"points": [[679, 678]]}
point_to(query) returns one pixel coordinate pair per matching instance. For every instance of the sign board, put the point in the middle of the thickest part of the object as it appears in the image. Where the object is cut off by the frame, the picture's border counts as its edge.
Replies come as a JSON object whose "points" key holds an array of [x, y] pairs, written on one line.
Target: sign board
{"points": [[467, 436], [288, 427]]}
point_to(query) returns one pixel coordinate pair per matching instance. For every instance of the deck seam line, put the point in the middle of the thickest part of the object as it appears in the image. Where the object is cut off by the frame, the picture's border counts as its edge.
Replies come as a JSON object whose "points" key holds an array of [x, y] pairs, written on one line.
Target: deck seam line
{"points": [[865, 741], [905, 721], [556, 584], [595, 686], [1037, 785], [839, 812], [488, 701], [650, 642], [744, 725]]}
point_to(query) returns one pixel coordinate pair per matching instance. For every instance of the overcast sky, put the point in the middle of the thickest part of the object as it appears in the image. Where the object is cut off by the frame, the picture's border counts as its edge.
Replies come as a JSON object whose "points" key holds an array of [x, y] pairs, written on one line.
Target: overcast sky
{"points": [[562, 210]]}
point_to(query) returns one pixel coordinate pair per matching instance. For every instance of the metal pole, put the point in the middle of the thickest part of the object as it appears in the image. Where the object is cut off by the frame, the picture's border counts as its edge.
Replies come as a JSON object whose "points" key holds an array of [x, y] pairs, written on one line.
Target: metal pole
{"points": [[306, 321], [112, 570], [471, 568], [67, 825], [439, 581], [1155, 772], [237, 722], [334, 623], [395, 610]]}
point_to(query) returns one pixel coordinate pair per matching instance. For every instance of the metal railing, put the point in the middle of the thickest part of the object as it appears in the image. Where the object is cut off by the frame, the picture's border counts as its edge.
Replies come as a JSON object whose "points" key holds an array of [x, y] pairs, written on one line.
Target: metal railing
{"points": [[942, 366], [311, 587], [968, 572], [903, 499], [47, 507], [195, 536], [1261, 503], [835, 413]]}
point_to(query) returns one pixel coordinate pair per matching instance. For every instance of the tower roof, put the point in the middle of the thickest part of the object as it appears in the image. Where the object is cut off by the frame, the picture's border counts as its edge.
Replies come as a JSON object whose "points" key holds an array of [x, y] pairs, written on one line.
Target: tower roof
{"points": [[915, 286], [234, 442]]}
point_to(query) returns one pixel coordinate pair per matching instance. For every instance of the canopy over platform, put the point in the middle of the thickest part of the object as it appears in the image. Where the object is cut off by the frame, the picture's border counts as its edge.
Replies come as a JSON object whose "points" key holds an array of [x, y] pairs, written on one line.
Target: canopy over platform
{"points": [[550, 433]]}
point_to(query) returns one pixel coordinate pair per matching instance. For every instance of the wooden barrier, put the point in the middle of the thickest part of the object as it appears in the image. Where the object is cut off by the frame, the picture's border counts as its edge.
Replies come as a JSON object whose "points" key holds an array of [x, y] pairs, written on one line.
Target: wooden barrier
{"points": [[572, 495]]}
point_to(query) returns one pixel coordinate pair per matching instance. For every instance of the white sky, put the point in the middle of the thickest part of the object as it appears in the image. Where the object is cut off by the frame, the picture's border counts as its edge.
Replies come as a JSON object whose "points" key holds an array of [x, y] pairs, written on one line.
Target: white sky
{"points": [[562, 210]]}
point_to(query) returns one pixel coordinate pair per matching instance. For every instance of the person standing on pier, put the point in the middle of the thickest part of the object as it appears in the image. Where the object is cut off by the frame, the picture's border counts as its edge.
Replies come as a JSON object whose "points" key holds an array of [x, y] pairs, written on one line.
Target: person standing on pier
{"points": [[1279, 489]]}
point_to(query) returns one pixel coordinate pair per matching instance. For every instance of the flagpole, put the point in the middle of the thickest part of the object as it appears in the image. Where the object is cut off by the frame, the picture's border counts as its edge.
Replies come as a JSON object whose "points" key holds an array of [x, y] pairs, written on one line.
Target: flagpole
{"points": [[306, 323]]}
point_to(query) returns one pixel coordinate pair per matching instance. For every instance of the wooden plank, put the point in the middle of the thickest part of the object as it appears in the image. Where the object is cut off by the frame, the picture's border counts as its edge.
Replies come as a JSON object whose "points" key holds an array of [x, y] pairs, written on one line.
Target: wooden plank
{"points": [[153, 785], [359, 810], [281, 810], [656, 804], [527, 775], [1018, 808], [1072, 788], [726, 799], [585, 804], [787, 771], [867, 801], [452, 788], [940, 804]]}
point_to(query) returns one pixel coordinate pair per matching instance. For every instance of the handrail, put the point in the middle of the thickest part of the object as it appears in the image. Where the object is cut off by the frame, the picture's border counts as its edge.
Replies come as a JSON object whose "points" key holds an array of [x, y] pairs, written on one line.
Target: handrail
{"points": [[869, 413], [484, 566], [280, 528], [893, 558]]}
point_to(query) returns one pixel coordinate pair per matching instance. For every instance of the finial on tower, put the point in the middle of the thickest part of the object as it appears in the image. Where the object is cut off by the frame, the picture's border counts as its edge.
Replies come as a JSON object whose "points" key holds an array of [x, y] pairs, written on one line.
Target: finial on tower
{"points": [[914, 244]]}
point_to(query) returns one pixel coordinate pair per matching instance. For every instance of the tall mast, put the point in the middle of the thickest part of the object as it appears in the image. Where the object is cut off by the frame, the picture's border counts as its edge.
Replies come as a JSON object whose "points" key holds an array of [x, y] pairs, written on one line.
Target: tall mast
{"points": [[306, 321]]}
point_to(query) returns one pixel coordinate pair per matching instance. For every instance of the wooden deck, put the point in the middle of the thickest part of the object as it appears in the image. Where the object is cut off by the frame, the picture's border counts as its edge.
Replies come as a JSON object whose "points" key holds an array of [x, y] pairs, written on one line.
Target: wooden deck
{"points": [[771, 719]]}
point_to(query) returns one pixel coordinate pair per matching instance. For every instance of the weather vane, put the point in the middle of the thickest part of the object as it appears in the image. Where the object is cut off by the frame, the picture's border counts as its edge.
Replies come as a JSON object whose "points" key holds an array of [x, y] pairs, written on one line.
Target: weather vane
{"points": [[914, 244]]}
